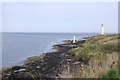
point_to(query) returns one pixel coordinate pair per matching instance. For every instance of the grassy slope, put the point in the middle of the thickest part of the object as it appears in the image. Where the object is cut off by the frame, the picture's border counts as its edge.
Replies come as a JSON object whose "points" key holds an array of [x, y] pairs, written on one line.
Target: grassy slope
{"points": [[97, 49]]}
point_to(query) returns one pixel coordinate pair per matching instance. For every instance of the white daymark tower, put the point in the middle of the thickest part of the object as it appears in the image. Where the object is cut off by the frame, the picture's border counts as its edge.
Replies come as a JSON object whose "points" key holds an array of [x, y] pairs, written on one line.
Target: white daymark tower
{"points": [[74, 40], [102, 31]]}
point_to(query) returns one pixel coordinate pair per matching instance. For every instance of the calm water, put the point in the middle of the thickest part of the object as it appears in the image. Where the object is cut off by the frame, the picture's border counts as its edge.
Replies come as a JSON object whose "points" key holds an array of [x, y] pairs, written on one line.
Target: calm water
{"points": [[16, 47]]}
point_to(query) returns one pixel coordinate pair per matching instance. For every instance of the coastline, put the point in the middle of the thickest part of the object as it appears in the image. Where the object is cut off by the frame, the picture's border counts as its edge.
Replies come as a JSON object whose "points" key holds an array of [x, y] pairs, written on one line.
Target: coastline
{"points": [[57, 64], [58, 49], [14, 48]]}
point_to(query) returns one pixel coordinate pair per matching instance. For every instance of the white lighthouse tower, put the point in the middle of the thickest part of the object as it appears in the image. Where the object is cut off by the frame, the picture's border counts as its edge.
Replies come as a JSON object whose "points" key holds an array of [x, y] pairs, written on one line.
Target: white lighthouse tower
{"points": [[74, 39], [102, 30]]}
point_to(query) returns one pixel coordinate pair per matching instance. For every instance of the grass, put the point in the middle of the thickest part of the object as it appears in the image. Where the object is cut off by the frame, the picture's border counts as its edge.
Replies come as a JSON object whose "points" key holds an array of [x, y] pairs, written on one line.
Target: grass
{"points": [[86, 53], [96, 45], [108, 47], [98, 39], [113, 73], [96, 49]]}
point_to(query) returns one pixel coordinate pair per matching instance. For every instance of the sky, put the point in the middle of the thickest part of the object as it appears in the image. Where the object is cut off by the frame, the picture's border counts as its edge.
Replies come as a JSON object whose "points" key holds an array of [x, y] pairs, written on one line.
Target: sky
{"points": [[73, 17]]}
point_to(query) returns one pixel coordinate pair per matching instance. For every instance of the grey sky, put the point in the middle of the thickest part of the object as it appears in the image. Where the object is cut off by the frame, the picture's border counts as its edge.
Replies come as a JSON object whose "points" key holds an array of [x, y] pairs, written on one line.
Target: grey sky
{"points": [[60, 17]]}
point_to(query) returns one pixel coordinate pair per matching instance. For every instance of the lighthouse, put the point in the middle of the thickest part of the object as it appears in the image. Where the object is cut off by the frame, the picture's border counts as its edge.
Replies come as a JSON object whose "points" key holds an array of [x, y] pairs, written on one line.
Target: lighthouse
{"points": [[102, 30], [74, 39]]}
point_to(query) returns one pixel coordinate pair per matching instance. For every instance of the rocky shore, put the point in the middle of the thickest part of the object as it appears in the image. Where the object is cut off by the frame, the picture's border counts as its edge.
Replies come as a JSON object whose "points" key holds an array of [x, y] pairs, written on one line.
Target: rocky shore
{"points": [[57, 64], [61, 63]]}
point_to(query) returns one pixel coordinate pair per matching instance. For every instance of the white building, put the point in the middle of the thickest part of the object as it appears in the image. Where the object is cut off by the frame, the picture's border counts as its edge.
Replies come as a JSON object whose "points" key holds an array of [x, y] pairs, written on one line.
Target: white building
{"points": [[74, 39], [102, 30]]}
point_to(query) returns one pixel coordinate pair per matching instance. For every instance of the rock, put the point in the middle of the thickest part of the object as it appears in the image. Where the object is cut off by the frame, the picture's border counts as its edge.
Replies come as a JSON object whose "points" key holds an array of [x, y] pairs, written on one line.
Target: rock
{"points": [[77, 63], [8, 74], [68, 41], [16, 68], [20, 75], [38, 67], [69, 60], [20, 70]]}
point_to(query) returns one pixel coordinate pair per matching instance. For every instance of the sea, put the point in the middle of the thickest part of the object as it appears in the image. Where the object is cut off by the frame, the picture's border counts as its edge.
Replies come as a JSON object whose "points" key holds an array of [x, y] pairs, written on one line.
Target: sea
{"points": [[17, 47]]}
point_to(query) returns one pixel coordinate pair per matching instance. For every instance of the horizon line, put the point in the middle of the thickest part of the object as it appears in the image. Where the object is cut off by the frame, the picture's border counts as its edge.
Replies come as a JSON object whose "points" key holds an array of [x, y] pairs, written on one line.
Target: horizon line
{"points": [[62, 32]]}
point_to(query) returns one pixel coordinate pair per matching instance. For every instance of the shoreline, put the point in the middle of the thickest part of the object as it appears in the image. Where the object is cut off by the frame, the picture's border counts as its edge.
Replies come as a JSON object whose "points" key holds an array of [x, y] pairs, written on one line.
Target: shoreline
{"points": [[42, 45], [63, 63], [51, 50], [57, 50], [46, 50], [14, 54]]}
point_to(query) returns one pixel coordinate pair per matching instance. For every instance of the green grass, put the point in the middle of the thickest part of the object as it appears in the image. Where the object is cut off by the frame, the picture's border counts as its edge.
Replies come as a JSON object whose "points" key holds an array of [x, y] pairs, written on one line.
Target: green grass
{"points": [[86, 53], [96, 45], [97, 48], [98, 39], [113, 73], [108, 47]]}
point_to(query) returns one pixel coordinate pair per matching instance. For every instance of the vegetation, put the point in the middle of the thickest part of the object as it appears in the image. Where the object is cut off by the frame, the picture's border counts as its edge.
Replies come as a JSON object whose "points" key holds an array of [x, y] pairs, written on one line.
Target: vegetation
{"points": [[113, 73], [80, 43], [96, 45], [95, 51], [87, 52], [108, 47]]}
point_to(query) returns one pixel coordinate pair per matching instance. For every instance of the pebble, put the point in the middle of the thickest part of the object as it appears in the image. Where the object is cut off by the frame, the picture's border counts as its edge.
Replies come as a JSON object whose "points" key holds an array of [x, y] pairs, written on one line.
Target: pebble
{"points": [[38, 67]]}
